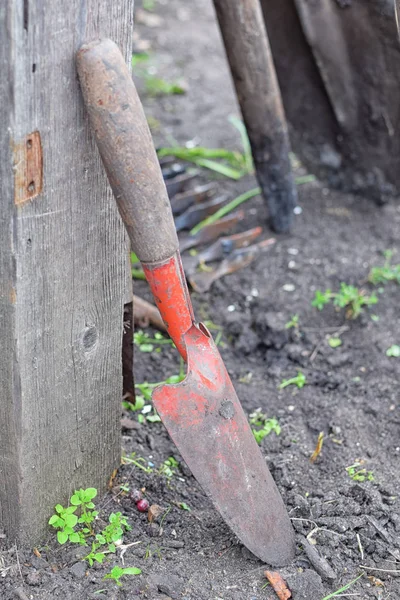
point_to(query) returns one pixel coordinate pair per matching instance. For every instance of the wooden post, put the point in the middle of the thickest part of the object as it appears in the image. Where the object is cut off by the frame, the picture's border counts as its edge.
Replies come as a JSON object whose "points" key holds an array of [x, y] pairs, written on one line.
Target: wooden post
{"points": [[249, 55], [62, 266]]}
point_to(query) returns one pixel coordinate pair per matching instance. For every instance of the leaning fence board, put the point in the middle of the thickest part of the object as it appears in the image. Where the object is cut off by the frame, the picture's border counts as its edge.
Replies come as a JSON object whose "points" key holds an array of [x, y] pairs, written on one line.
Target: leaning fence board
{"points": [[253, 72], [62, 265]]}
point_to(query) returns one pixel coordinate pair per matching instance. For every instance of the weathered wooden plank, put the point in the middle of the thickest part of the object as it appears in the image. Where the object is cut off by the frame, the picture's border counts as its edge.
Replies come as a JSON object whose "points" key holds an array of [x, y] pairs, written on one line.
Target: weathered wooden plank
{"points": [[62, 266], [253, 72]]}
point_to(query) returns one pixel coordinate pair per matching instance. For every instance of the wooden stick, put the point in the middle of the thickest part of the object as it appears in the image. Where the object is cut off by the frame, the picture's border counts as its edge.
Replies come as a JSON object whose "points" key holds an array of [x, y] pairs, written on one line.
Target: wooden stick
{"points": [[249, 55]]}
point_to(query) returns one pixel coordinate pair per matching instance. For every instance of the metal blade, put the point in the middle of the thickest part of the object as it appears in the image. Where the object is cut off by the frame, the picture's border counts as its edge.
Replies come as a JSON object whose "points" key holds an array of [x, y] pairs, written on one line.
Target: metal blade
{"points": [[206, 421]]}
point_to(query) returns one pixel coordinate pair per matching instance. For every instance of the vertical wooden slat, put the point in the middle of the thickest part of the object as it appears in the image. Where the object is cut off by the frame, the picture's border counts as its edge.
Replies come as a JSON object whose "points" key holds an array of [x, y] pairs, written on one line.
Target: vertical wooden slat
{"points": [[62, 267]]}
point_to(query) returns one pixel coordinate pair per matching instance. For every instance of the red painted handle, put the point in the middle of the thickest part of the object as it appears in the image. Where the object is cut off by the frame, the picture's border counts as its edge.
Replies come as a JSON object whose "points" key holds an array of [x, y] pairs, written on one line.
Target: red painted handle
{"points": [[168, 283]]}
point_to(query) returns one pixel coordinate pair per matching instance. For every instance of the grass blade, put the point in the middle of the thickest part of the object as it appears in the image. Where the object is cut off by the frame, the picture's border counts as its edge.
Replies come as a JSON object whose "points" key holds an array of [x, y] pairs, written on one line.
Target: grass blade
{"points": [[219, 168], [248, 157], [342, 589], [226, 209], [305, 179], [190, 154]]}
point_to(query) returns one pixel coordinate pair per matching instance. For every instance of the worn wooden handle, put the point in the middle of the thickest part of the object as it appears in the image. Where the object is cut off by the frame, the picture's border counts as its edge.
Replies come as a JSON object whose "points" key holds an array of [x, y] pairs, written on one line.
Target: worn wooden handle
{"points": [[127, 150]]}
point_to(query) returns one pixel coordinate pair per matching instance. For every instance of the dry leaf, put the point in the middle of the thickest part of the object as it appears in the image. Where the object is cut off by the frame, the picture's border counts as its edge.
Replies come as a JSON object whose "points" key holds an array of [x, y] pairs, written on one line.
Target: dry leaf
{"points": [[154, 512], [278, 584], [318, 448]]}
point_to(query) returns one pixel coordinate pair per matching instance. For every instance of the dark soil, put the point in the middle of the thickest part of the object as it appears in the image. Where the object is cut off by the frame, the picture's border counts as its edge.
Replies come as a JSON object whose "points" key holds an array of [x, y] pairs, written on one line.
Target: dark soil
{"points": [[351, 394]]}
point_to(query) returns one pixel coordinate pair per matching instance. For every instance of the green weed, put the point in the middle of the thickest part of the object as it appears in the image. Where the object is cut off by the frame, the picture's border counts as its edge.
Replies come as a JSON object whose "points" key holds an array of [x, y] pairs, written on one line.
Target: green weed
{"points": [[137, 461], [145, 343], [293, 323], [139, 59], [393, 351], [143, 398], [118, 572], [262, 425], [66, 522], [342, 589], [156, 86], [387, 272], [357, 474], [136, 269], [334, 342], [105, 541], [348, 297], [149, 5], [169, 467], [300, 381], [184, 506]]}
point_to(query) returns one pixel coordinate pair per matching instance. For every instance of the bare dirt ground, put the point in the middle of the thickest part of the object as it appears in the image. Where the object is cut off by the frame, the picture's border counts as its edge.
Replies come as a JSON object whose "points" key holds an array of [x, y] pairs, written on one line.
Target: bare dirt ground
{"points": [[351, 395]]}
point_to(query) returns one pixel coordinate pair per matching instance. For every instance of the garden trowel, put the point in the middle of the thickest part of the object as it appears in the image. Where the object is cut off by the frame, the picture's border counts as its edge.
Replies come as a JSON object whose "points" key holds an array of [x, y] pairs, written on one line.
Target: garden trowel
{"points": [[202, 413]]}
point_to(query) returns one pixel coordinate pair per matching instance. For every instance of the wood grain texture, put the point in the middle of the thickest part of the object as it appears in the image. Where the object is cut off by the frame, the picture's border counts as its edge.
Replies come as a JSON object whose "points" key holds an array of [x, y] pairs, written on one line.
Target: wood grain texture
{"points": [[249, 55], [62, 269]]}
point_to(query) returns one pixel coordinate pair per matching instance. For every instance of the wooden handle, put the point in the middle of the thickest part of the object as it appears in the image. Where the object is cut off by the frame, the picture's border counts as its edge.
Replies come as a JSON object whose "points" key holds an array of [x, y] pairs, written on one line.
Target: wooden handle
{"points": [[127, 150]]}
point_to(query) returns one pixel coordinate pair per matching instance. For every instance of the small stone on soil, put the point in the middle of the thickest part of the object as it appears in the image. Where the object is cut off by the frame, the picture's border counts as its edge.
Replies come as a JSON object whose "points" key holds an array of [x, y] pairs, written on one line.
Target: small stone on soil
{"points": [[34, 578], [78, 570], [306, 586], [171, 585]]}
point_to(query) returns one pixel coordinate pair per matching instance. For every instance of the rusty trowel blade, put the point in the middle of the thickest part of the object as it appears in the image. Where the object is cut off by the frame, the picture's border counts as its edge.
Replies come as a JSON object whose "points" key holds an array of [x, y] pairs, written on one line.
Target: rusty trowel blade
{"points": [[206, 421]]}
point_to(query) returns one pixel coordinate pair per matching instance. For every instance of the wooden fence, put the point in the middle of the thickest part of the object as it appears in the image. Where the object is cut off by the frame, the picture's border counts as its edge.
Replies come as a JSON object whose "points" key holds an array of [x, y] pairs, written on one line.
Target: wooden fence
{"points": [[63, 268]]}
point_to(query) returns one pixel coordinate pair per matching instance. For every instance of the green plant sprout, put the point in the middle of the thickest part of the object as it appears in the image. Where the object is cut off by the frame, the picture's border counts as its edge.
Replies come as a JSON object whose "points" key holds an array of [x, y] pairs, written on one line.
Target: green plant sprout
{"points": [[117, 572], [388, 272], [156, 86], [149, 5], [262, 425], [66, 521], [393, 351], [111, 534], [349, 297], [143, 400], [136, 269], [83, 499], [334, 342], [357, 474], [169, 467], [293, 323], [139, 59], [137, 461], [300, 381], [145, 343], [184, 506]]}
